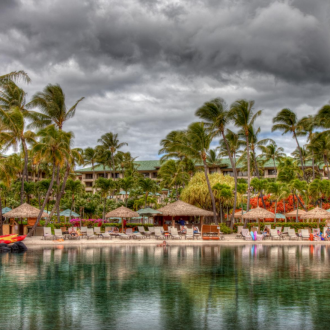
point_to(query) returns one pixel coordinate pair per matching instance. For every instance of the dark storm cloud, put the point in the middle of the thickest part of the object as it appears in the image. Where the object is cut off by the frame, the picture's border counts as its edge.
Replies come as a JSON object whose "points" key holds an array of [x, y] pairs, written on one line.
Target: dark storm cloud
{"points": [[145, 66]]}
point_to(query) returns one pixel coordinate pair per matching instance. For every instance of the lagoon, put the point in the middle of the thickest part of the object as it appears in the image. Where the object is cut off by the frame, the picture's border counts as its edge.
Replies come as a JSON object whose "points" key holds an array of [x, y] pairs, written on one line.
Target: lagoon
{"points": [[178, 287]]}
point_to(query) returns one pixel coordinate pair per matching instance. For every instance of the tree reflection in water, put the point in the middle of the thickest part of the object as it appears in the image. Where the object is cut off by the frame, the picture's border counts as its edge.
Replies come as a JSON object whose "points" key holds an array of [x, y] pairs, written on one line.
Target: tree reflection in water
{"points": [[178, 287]]}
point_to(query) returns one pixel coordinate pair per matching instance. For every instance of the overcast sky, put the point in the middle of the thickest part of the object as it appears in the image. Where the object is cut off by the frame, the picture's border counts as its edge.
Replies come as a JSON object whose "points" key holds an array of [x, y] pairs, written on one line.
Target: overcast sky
{"points": [[145, 66]]}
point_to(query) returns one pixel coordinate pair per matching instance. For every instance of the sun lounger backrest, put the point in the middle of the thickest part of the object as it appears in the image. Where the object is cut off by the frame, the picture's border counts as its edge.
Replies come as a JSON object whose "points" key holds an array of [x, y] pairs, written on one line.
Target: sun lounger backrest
{"points": [[97, 230], [58, 232], [245, 232], [47, 231], [291, 232], [273, 232], [90, 232], [239, 229], [129, 231], [190, 231], [83, 229], [268, 226], [141, 229], [174, 231], [279, 229], [286, 229], [304, 233]]}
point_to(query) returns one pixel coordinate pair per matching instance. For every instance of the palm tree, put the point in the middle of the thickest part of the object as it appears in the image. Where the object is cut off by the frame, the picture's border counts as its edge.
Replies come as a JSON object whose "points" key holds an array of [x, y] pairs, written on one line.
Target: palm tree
{"points": [[320, 145], [169, 146], [242, 189], [234, 144], [124, 160], [259, 185], [173, 174], [147, 185], [216, 118], [51, 102], [127, 184], [15, 76], [278, 191], [106, 187], [272, 152], [287, 121], [296, 186], [223, 193], [110, 142], [74, 187], [241, 112], [13, 133], [53, 147], [90, 158]]}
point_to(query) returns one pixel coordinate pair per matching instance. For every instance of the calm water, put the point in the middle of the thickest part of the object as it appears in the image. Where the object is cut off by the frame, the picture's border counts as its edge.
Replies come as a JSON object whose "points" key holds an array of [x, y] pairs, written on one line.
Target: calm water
{"points": [[138, 287]]}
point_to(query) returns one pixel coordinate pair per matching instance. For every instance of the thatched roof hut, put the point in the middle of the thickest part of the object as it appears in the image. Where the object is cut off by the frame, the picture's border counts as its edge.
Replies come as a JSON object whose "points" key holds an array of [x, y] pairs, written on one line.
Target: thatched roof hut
{"points": [[180, 208], [25, 211], [122, 212], [316, 213], [293, 213], [258, 213]]}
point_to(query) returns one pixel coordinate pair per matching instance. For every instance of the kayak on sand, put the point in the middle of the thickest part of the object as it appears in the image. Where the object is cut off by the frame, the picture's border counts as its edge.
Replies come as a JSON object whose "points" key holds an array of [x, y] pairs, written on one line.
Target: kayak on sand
{"points": [[8, 239]]}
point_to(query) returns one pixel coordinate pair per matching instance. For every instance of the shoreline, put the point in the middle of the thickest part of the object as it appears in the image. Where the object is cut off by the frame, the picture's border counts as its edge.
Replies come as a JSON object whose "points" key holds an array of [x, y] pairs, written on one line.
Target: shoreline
{"points": [[228, 241]]}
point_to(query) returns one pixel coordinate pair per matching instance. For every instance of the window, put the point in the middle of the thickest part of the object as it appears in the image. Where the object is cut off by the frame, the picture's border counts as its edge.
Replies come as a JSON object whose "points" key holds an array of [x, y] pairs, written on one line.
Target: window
{"points": [[101, 175], [146, 175], [230, 173], [154, 175], [89, 176], [89, 184], [272, 172]]}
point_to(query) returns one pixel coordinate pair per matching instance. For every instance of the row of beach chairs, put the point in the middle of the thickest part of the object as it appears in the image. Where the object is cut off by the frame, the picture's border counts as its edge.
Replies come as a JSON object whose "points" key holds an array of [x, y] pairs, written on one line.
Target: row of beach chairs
{"points": [[280, 233]]}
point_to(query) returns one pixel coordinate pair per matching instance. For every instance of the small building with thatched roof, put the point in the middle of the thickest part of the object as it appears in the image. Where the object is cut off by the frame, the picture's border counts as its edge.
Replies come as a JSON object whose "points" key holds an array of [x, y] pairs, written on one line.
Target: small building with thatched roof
{"points": [[259, 213], [122, 212], [293, 213], [316, 213], [182, 210]]}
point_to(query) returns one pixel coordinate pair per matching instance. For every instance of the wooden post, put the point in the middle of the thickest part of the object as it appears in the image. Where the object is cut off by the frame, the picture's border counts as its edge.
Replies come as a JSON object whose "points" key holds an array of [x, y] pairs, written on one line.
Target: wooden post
{"points": [[122, 225], [258, 226], [173, 222], [202, 222]]}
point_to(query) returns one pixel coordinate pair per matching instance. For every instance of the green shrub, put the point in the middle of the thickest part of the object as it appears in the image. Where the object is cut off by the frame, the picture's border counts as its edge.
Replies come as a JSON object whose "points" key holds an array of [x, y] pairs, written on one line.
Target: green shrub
{"points": [[225, 229]]}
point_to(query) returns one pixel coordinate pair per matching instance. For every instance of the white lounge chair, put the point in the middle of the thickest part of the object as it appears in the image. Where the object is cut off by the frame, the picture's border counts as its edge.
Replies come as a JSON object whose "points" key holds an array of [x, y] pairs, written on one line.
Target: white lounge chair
{"points": [[58, 234], [106, 235], [90, 233], [285, 230], [129, 231], [274, 234], [279, 229], [304, 234], [174, 233], [97, 230], [48, 233], [73, 230], [246, 235], [190, 233], [83, 231], [292, 234], [158, 233], [239, 231], [144, 232]]}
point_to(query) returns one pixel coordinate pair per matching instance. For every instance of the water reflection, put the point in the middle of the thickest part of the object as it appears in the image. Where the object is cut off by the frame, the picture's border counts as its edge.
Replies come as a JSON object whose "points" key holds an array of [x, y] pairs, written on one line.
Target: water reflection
{"points": [[147, 287]]}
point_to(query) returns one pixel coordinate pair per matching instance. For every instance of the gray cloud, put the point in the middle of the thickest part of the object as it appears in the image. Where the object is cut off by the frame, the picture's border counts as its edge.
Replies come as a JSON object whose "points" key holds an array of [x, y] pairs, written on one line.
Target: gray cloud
{"points": [[145, 66]]}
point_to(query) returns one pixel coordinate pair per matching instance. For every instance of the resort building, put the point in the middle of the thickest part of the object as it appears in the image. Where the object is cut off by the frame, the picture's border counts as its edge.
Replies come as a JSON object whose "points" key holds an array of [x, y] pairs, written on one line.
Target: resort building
{"points": [[150, 168]]}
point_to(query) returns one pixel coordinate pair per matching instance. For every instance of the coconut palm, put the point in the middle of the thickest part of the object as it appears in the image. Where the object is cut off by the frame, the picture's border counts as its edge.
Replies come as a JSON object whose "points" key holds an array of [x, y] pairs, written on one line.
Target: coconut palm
{"points": [[272, 152], [223, 193], [241, 112], [242, 189], [169, 149], [14, 134], [15, 76], [287, 122], [322, 118], [124, 161], [110, 142], [216, 117], [277, 191], [106, 187], [54, 146], [74, 187], [51, 102], [127, 184], [90, 158], [320, 145], [234, 144], [148, 186]]}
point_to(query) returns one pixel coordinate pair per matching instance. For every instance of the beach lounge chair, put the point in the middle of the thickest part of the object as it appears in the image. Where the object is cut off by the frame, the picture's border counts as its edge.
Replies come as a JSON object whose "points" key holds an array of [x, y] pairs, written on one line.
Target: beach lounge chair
{"points": [[58, 234], [83, 231], [112, 231], [246, 235], [285, 230], [304, 234], [190, 233], [97, 230], [274, 234], [292, 234], [316, 234], [174, 233], [158, 233], [48, 233], [239, 232], [129, 231], [260, 237], [90, 233], [144, 232], [198, 235], [279, 229]]}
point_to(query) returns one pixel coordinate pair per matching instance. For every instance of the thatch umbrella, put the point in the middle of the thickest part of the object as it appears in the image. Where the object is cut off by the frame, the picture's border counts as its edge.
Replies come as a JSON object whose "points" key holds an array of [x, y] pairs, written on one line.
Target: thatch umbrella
{"points": [[180, 208], [258, 213], [293, 213], [25, 211], [318, 214], [122, 212]]}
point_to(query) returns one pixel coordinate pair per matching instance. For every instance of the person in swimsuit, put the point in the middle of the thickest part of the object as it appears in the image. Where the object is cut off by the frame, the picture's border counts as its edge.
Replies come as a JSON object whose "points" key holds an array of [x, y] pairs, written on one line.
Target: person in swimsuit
{"points": [[327, 234]]}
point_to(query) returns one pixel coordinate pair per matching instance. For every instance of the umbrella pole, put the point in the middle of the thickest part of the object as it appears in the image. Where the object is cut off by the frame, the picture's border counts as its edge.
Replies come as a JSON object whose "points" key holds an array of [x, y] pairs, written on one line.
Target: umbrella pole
{"points": [[318, 223], [258, 226], [122, 225], [173, 223]]}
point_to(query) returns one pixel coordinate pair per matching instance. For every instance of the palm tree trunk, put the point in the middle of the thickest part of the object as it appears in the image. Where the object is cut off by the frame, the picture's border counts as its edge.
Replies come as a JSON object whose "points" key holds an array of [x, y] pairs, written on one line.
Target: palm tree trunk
{"points": [[301, 203], [297, 210], [44, 203], [57, 203], [104, 204], [24, 169], [113, 166], [300, 153], [233, 165], [249, 174], [313, 165], [215, 218]]}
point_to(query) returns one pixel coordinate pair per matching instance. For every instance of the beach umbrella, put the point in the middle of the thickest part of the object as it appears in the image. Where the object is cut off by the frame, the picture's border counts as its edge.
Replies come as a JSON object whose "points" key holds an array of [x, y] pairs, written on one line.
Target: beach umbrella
{"points": [[67, 213], [293, 213], [280, 216], [258, 213], [122, 212], [316, 213], [5, 210]]}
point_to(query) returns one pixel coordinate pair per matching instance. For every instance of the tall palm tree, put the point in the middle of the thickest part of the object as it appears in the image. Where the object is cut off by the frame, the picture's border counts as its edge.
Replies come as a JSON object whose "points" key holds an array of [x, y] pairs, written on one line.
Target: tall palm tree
{"points": [[124, 161], [74, 187], [234, 144], [147, 185], [278, 191], [13, 134], [90, 158], [106, 187], [169, 149], [241, 112], [216, 118], [110, 142], [299, 154], [287, 122], [53, 147], [51, 102], [15, 76], [127, 184], [259, 185], [297, 186], [320, 145], [272, 152]]}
